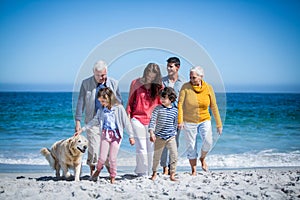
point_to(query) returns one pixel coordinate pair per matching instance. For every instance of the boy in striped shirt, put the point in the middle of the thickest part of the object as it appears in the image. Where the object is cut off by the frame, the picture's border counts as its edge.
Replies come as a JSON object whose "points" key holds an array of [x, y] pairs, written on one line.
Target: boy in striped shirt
{"points": [[163, 129]]}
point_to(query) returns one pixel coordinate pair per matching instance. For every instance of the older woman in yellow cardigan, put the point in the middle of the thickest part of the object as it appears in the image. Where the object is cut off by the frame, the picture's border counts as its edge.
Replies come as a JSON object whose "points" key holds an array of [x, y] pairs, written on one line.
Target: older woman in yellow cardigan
{"points": [[195, 99]]}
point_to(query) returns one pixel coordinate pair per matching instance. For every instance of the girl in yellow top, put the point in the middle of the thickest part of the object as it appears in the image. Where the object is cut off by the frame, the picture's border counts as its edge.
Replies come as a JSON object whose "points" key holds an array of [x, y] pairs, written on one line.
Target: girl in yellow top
{"points": [[195, 99]]}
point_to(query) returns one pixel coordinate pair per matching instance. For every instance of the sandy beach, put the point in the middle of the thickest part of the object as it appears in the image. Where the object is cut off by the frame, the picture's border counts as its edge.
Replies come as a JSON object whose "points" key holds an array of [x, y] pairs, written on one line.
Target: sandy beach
{"points": [[260, 183]]}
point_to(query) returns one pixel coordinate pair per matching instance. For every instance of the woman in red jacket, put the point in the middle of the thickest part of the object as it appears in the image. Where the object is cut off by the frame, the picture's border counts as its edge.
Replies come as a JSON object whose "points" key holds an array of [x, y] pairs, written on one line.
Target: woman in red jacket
{"points": [[143, 98]]}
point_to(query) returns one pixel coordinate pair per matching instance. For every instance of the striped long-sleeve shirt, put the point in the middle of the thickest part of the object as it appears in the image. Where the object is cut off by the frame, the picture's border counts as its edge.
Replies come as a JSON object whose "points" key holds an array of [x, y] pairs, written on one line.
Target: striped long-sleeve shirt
{"points": [[164, 121]]}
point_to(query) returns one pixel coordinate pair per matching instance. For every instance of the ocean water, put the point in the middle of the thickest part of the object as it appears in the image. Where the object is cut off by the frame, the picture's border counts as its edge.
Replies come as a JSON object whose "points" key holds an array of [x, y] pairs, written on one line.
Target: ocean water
{"points": [[260, 130]]}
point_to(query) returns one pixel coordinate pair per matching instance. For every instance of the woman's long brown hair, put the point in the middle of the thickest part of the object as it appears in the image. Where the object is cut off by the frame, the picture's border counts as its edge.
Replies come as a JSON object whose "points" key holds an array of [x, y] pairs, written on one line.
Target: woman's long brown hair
{"points": [[156, 85]]}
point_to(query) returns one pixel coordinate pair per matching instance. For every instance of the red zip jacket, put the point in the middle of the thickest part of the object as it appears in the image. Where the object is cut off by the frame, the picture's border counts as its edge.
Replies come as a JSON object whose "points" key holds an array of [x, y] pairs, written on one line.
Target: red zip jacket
{"points": [[140, 105]]}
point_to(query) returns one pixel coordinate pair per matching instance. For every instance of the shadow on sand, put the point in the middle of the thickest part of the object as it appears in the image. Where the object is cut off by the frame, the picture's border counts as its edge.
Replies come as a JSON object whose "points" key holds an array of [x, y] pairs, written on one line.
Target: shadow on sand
{"points": [[71, 178]]}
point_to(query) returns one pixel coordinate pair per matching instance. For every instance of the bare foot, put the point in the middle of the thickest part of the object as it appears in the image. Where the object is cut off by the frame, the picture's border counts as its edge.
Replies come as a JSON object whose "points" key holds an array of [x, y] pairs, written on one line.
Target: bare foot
{"points": [[92, 169], [94, 177], [154, 175], [203, 164], [166, 171], [193, 163], [112, 180], [172, 177]]}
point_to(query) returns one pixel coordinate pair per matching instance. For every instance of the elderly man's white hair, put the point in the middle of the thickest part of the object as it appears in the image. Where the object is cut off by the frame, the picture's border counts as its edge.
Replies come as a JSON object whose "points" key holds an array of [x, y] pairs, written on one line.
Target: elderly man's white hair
{"points": [[100, 65], [199, 70]]}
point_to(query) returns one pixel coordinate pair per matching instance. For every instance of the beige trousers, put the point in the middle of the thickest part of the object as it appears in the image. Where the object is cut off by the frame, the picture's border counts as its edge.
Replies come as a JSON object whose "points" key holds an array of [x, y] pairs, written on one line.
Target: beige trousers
{"points": [[159, 146]]}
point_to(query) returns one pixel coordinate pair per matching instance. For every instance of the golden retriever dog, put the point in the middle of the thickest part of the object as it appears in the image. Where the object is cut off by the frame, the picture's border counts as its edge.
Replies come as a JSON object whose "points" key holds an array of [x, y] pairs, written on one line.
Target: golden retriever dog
{"points": [[66, 154]]}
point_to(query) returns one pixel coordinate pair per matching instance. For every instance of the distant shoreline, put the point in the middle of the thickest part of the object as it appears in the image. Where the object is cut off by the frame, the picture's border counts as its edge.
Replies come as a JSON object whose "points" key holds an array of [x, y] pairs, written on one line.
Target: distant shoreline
{"points": [[65, 87], [227, 92]]}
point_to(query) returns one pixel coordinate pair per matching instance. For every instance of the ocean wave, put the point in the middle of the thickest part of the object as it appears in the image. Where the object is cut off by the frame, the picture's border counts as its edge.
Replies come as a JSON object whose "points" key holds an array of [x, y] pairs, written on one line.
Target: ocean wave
{"points": [[266, 158]]}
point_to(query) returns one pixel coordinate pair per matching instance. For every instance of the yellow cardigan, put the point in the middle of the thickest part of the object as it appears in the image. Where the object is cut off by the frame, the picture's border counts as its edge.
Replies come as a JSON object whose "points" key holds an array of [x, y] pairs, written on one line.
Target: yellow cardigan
{"points": [[194, 102]]}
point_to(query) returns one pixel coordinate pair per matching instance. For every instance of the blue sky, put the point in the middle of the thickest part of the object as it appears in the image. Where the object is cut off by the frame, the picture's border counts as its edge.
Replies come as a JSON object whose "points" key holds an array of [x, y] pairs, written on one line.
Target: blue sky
{"points": [[254, 44]]}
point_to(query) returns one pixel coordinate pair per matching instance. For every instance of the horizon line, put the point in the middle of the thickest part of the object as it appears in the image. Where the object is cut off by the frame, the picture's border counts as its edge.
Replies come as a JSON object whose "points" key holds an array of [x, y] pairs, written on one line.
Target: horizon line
{"points": [[65, 87]]}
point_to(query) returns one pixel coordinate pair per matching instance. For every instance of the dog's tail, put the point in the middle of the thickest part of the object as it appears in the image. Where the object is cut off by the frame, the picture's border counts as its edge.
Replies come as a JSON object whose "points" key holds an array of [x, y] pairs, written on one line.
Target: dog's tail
{"points": [[47, 153]]}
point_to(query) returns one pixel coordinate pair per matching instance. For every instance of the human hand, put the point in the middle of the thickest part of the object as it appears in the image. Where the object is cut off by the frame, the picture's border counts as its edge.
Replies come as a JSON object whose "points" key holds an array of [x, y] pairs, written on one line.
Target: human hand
{"points": [[219, 130], [131, 141], [78, 132], [152, 135], [180, 126], [152, 138], [77, 126]]}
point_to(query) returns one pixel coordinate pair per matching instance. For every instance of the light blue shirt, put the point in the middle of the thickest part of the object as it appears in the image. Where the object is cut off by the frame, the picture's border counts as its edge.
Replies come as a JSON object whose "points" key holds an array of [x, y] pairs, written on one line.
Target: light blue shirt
{"points": [[177, 86], [109, 120]]}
